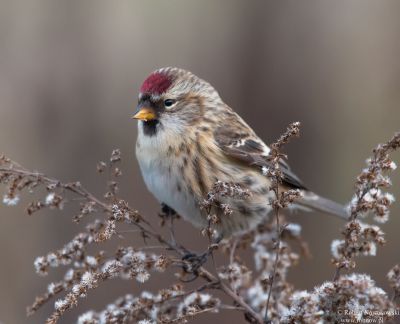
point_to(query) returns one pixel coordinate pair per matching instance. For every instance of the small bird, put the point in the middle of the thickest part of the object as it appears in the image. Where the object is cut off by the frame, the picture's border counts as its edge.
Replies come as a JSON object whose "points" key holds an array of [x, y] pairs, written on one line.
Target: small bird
{"points": [[188, 139]]}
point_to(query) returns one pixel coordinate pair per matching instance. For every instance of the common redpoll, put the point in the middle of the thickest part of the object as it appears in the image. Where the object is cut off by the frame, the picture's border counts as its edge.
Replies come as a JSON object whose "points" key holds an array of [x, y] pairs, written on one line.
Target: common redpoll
{"points": [[188, 139]]}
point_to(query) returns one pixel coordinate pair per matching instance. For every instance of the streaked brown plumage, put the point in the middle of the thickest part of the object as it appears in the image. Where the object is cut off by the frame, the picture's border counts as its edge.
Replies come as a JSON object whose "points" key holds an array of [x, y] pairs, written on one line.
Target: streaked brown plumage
{"points": [[188, 139]]}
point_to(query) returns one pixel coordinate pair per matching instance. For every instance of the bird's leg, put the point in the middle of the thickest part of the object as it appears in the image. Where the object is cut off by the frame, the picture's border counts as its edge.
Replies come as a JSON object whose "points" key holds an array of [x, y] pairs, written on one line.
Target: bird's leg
{"points": [[167, 211], [168, 215]]}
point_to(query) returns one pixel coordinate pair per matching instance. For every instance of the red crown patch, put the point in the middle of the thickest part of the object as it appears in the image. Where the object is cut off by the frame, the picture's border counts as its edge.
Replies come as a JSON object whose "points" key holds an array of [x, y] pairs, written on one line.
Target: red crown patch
{"points": [[156, 83]]}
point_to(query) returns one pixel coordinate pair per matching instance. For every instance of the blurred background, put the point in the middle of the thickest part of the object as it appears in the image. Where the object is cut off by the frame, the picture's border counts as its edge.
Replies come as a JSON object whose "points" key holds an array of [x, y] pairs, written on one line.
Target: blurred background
{"points": [[69, 74]]}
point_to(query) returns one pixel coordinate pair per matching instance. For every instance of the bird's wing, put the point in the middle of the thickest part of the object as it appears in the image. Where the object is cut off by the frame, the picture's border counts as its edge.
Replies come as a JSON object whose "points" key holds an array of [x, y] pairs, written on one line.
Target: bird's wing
{"points": [[237, 141]]}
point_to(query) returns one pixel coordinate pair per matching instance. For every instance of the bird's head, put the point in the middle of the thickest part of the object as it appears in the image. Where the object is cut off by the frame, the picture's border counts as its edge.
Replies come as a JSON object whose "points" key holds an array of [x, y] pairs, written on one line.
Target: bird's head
{"points": [[173, 97]]}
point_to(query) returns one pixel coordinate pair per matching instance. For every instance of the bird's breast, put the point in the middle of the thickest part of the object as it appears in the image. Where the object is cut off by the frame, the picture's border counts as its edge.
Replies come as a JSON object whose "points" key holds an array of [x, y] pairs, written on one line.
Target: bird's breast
{"points": [[162, 174]]}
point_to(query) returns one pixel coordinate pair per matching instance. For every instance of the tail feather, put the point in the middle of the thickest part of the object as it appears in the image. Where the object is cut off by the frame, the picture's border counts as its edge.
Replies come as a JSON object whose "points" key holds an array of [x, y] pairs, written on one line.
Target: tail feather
{"points": [[313, 201]]}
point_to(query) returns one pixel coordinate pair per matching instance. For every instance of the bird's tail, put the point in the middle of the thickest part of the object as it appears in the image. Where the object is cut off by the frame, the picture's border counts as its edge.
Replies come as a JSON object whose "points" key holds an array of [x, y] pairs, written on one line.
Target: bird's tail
{"points": [[315, 202]]}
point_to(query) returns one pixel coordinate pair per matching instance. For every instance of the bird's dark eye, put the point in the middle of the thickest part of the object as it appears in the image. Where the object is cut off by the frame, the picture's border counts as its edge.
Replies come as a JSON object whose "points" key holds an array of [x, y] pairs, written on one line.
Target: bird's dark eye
{"points": [[169, 102]]}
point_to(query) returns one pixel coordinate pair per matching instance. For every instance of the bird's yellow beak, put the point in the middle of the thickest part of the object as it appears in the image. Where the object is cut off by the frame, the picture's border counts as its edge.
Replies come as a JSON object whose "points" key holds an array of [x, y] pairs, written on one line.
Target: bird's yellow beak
{"points": [[145, 113]]}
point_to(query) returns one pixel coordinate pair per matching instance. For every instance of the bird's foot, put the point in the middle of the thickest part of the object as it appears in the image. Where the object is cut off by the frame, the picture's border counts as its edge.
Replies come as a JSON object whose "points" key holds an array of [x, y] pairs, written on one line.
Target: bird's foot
{"points": [[192, 262], [167, 213]]}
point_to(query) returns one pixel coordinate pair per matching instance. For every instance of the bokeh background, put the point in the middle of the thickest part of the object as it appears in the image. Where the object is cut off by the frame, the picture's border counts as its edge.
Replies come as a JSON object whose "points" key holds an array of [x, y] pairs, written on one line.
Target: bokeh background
{"points": [[69, 74]]}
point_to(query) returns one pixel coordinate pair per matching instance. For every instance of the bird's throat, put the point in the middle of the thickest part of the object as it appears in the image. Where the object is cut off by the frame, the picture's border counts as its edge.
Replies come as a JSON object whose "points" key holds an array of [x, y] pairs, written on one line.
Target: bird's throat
{"points": [[150, 127]]}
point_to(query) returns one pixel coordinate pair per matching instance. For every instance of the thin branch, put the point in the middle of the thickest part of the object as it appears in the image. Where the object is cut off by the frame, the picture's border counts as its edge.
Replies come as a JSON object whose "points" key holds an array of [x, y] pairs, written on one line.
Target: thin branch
{"points": [[277, 249]]}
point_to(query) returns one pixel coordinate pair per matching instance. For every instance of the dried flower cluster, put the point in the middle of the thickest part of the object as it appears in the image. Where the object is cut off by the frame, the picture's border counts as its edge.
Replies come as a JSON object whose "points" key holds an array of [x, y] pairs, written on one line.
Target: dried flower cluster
{"points": [[218, 192], [369, 198], [154, 308], [394, 281], [259, 289], [349, 299]]}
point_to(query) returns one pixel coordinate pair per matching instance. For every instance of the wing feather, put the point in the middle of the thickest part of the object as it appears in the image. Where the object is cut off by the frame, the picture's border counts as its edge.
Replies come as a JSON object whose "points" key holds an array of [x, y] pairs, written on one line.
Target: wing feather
{"points": [[239, 142]]}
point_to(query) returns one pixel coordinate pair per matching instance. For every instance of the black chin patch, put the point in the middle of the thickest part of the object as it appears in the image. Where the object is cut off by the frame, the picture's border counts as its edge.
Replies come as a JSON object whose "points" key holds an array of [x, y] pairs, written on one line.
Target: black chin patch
{"points": [[150, 127]]}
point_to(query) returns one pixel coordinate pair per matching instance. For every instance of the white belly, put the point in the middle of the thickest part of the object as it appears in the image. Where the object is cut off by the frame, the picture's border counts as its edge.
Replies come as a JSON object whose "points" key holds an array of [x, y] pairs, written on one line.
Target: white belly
{"points": [[161, 178]]}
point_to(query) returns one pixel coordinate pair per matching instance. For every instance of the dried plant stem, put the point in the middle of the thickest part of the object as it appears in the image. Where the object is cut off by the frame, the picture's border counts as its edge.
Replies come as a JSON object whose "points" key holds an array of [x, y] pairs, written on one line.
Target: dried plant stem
{"points": [[74, 187], [233, 250], [279, 201], [337, 274], [277, 249], [199, 289], [242, 303], [78, 189], [394, 296]]}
